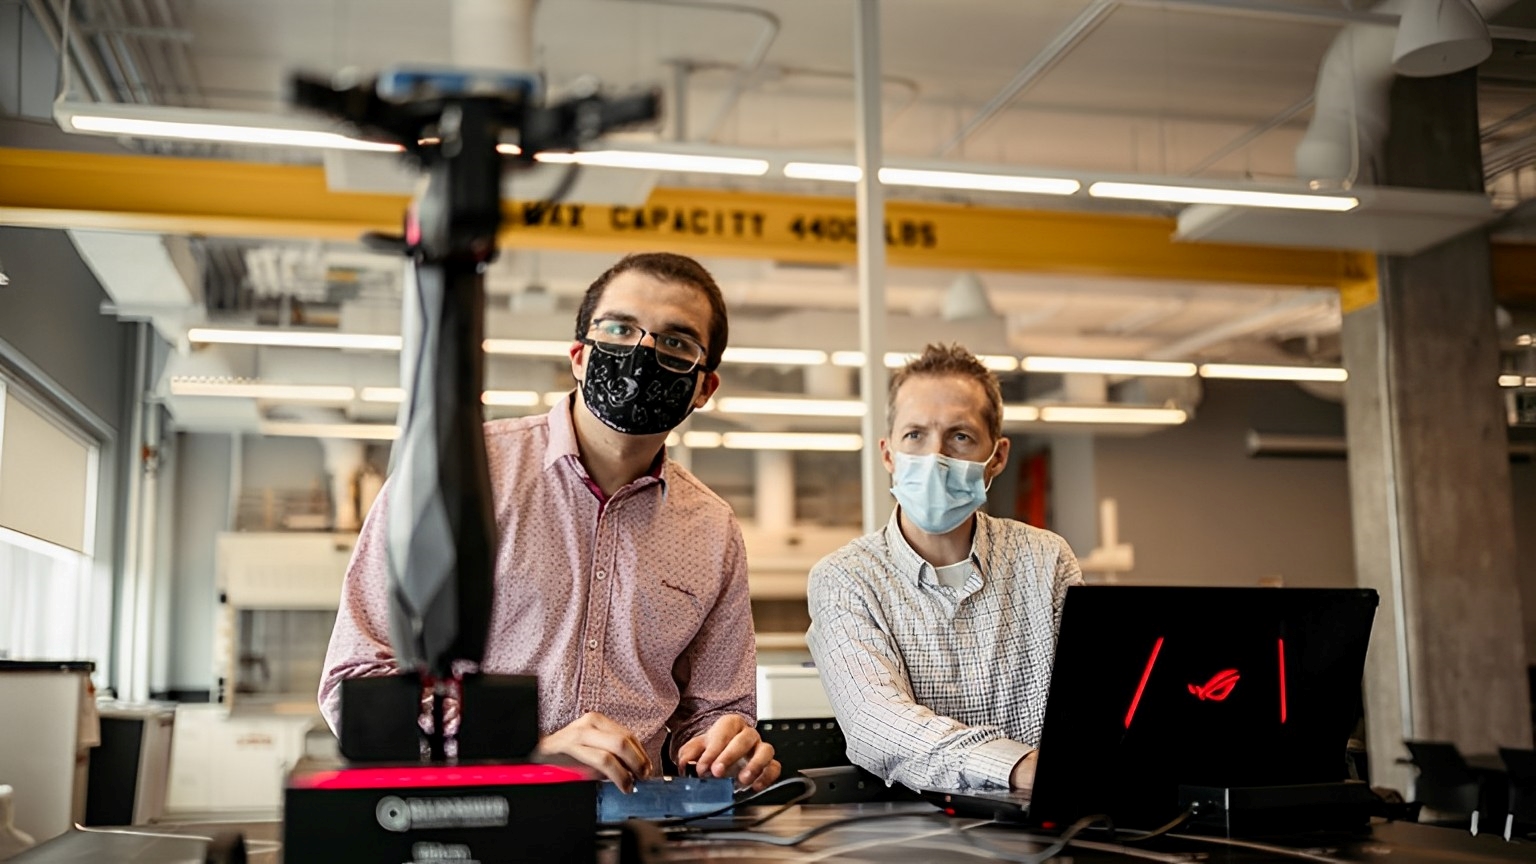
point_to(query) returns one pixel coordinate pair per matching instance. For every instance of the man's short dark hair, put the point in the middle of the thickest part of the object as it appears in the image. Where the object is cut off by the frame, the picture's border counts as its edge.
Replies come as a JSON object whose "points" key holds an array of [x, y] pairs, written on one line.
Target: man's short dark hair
{"points": [[955, 360], [668, 267]]}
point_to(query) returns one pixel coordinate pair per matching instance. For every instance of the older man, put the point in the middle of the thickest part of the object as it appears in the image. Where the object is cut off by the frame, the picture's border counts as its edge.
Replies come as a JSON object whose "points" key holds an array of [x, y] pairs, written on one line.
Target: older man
{"points": [[935, 636]]}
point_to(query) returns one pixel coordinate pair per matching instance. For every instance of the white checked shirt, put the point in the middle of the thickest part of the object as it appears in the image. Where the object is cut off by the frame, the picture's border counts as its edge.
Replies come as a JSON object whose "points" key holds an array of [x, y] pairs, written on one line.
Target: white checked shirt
{"points": [[939, 687]]}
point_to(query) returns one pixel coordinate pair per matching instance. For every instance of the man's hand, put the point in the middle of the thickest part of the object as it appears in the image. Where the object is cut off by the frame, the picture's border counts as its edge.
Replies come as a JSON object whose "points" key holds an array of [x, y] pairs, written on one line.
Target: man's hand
{"points": [[601, 744], [728, 743], [1023, 777]]}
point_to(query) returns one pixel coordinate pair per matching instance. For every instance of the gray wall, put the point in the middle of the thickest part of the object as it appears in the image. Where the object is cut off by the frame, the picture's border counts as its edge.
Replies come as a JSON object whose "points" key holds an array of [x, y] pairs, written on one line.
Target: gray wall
{"points": [[51, 313], [1200, 511], [202, 505]]}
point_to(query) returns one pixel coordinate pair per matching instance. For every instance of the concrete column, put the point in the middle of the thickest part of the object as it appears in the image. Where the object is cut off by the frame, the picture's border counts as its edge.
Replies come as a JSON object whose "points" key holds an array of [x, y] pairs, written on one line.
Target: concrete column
{"points": [[1075, 492], [1428, 465], [774, 492]]}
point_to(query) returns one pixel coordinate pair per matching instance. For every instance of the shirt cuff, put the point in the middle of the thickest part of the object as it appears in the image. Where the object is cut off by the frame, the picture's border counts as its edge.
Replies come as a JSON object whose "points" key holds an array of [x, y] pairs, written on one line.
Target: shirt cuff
{"points": [[991, 764]]}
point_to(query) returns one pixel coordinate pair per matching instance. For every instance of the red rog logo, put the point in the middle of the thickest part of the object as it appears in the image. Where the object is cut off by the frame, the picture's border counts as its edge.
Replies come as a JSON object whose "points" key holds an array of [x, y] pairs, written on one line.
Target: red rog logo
{"points": [[1218, 688]]}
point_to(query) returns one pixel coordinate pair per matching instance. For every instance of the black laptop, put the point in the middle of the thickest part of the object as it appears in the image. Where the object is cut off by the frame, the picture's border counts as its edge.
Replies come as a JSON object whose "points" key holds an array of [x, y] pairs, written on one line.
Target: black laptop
{"points": [[1154, 688]]}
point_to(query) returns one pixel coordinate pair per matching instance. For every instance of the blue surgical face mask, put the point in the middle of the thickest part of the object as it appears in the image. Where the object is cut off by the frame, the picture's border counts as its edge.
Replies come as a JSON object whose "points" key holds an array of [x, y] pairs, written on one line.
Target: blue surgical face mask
{"points": [[939, 492]]}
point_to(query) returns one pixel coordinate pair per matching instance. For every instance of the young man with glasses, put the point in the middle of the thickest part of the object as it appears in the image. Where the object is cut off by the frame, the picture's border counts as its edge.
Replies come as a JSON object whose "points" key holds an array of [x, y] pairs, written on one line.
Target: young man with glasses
{"points": [[621, 579], [935, 636]]}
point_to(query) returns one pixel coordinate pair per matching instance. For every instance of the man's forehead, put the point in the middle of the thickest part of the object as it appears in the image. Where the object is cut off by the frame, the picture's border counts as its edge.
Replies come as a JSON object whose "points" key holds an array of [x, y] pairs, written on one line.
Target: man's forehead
{"points": [[640, 295], [946, 400]]}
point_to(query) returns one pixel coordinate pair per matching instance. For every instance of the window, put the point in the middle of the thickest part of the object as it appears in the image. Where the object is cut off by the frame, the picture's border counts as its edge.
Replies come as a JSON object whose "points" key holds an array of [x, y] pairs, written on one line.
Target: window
{"points": [[55, 604]]}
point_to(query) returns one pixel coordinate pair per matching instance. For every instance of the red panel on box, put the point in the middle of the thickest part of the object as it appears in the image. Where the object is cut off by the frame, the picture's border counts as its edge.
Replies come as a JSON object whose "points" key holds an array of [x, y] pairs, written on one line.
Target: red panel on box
{"points": [[431, 776]]}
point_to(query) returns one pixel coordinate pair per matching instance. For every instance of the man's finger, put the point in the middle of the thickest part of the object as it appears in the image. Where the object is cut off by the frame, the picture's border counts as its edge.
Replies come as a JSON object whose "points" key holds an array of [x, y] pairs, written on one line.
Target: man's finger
{"points": [[739, 748], [769, 775], [607, 764], [623, 747], [716, 740], [762, 755]]}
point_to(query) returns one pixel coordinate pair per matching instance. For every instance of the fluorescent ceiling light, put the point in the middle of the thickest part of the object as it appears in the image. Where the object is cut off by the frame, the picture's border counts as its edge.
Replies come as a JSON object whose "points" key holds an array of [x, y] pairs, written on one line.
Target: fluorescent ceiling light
{"points": [[897, 359], [224, 133], [1523, 339], [512, 398], [775, 356], [383, 394], [650, 161], [1510, 380], [791, 441], [1020, 413], [1111, 414], [979, 182], [260, 390], [364, 431], [295, 339], [528, 347], [1234, 197], [791, 407], [838, 173], [999, 362], [1273, 373], [822, 171], [1089, 365], [701, 440]]}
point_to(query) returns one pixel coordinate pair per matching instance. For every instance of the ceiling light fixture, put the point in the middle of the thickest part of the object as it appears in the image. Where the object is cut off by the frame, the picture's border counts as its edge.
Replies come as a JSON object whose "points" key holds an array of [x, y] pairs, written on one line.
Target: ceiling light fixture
{"points": [[934, 179], [775, 356], [979, 182], [528, 347], [1020, 413], [1439, 37], [1510, 380], [1095, 366], [262, 390], [701, 440], [1233, 197], [791, 441], [826, 171], [1252, 372], [511, 398], [363, 431], [651, 161], [382, 394], [196, 124], [791, 407], [1112, 414], [295, 339], [897, 359]]}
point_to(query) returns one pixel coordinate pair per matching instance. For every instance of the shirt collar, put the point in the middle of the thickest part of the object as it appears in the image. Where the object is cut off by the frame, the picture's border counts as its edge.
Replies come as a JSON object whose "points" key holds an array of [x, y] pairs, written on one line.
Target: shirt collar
{"points": [[911, 565], [563, 445]]}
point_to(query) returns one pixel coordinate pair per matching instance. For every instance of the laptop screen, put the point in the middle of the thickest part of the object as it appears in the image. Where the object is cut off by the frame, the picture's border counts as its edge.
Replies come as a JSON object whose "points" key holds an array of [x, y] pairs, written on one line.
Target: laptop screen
{"points": [[1154, 688]]}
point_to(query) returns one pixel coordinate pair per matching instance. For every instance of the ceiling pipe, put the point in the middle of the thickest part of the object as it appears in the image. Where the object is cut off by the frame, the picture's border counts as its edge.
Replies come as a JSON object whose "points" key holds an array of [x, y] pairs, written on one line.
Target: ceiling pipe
{"points": [[1350, 115], [85, 63], [496, 34], [1054, 52], [748, 68]]}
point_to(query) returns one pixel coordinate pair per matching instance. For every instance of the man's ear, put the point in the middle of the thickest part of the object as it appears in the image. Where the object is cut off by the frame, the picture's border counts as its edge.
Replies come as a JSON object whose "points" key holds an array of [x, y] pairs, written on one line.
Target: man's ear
{"points": [[710, 384], [885, 456], [1000, 459], [578, 361]]}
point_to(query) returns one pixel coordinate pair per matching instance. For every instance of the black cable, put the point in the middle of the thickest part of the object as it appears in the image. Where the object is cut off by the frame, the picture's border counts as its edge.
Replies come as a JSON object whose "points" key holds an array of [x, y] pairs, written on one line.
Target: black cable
{"points": [[1155, 832], [797, 839], [1045, 854], [806, 783]]}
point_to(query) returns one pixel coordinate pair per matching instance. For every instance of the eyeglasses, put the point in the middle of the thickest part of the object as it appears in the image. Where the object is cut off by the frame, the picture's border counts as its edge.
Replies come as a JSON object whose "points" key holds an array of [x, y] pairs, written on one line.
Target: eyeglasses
{"points": [[674, 351]]}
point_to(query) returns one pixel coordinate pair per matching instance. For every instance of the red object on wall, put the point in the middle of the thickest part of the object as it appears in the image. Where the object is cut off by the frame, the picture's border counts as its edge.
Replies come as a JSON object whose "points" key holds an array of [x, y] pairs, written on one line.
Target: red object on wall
{"points": [[1033, 504]]}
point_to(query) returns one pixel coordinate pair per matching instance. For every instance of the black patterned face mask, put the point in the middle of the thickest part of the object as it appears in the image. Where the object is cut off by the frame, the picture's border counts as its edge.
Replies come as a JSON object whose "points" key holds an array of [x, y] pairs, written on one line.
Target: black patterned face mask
{"points": [[633, 394]]}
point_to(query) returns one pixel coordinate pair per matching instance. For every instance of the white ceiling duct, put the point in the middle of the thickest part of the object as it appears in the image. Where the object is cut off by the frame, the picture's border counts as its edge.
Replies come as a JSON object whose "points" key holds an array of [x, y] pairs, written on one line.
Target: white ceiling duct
{"points": [[1350, 114]]}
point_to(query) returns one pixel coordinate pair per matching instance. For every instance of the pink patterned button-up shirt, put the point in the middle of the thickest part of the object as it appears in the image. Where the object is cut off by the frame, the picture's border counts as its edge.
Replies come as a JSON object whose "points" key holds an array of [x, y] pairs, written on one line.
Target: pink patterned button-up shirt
{"points": [[635, 606]]}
